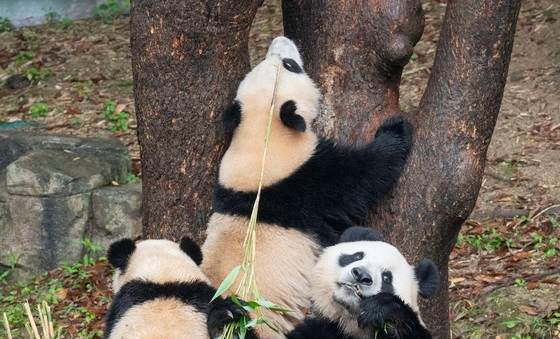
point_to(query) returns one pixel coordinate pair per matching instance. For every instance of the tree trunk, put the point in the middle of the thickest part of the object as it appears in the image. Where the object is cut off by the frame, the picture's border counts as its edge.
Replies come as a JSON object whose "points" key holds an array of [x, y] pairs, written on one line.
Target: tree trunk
{"points": [[357, 52], [187, 60]]}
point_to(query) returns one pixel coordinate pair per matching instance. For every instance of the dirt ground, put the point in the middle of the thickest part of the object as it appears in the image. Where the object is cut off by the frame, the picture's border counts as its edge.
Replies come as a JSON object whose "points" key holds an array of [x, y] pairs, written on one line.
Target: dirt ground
{"points": [[504, 273]]}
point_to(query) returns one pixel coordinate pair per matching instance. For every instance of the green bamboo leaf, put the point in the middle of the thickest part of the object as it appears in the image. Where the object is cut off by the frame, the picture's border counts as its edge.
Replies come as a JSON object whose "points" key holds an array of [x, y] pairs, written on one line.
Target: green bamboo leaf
{"points": [[228, 281], [243, 328], [254, 322], [272, 306]]}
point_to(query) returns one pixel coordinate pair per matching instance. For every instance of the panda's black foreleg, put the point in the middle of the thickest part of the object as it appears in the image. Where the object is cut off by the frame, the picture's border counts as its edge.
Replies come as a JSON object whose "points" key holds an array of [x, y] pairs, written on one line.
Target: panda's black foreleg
{"points": [[386, 155], [222, 312], [389, 317]]}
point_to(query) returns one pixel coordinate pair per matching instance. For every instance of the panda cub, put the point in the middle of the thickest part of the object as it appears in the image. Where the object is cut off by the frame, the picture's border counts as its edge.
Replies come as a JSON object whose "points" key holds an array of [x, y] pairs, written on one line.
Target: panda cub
{"points": [[313, 188], [363, 288], [160, 292]]}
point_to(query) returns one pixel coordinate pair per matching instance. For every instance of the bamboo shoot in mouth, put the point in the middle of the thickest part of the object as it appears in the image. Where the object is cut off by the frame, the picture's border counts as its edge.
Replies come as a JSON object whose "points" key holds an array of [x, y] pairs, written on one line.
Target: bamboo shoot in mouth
{"points": [[353, 287]]}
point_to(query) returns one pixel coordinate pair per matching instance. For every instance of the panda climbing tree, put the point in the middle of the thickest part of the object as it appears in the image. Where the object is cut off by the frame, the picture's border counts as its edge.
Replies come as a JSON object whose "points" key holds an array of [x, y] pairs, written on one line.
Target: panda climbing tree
{"points": [[189, 56]]}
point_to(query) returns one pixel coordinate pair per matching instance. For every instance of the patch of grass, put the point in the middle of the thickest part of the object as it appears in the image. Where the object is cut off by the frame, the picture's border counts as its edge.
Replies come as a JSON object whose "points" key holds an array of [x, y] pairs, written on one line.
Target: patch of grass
{"points": [[110, 9], [130, 178], [116, 121], [34, 73], [23, 57], [39, 110], [520, 283], [507, 169], [5, 24], [53, 17], [490, 240], [66, 23], [76, 292]]}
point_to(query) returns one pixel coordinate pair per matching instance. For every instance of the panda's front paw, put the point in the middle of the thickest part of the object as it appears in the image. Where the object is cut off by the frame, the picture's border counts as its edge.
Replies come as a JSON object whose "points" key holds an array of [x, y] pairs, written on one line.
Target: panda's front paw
{"points": [[221, 313], [396, 126], [387, 313]]}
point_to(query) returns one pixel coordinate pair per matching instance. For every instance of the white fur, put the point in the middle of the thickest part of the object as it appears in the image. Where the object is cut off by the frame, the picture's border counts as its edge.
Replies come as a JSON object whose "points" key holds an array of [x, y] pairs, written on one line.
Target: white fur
{"points": [[158, 261], [284, 48], [288, 149]]}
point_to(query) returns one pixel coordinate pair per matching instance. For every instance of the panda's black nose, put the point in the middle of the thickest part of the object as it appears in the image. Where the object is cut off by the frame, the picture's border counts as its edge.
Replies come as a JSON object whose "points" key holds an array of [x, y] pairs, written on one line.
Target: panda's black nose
{"points": [[362, 276]]}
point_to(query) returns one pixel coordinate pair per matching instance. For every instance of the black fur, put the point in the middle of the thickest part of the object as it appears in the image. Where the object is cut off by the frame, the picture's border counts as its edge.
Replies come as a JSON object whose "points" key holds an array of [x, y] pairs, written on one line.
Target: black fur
{"points": [[384, 315], [317, 328], [428, 278], [291, 65], [290, 118], [359, 233], [387, 316], [232, 117], [196, 294], [347, 259], [192, 249], [119, 253], [333, 190], [222, 313]]}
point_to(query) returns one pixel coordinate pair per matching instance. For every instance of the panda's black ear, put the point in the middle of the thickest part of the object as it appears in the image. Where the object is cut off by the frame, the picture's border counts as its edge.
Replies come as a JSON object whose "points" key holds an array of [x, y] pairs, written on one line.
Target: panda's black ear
{"points": [[290, 118], [232, 117], [119, 253], [428, 278], [192, 249], [359, 233]]}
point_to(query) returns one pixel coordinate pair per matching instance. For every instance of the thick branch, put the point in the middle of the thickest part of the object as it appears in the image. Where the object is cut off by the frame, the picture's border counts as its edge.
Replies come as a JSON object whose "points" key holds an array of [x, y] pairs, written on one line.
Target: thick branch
{"points": [[355, 50], [453, 126], [187, 59]]}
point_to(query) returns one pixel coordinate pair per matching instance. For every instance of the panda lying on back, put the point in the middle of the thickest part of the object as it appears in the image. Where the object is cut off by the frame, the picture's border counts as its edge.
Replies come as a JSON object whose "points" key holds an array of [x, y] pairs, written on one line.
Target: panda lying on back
{"points": [[363, 288], [160, 292], [313, 189]]}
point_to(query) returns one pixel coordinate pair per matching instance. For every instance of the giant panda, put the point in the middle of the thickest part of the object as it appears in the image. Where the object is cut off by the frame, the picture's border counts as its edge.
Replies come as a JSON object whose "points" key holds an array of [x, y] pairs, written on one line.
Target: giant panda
{"points": [[363, 288], [313, 188], [160, 292]]}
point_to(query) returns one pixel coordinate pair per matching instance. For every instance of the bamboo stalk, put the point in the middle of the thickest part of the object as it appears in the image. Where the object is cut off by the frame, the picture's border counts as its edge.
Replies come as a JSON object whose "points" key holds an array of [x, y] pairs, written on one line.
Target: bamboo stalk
{"points": [[7, 325], [31, 320]]}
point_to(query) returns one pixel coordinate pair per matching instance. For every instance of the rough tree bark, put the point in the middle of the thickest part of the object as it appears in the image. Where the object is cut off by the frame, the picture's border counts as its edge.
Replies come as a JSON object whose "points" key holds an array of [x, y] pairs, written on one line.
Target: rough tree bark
{"points": [[187, 60], [356, 51]]}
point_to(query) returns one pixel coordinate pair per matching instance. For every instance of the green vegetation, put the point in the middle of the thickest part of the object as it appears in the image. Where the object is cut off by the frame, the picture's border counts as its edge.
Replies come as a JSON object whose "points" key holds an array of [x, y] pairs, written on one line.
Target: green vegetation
{"points": [[23, 57], [53, 18], [34, 73], [130, 178], [62, 289], [39, 110], [5, 25], [117, 120], [110, 9], [490, 240]]}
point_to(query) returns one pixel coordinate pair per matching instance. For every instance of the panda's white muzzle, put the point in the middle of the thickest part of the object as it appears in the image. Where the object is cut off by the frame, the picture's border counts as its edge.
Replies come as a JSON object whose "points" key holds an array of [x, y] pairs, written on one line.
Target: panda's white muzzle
{"points": [[284, 48]]}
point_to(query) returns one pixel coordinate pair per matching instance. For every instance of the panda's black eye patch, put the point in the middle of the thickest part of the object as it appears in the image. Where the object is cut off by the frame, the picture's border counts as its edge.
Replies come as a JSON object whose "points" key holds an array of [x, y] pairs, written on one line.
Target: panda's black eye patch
{"points": [[347, 259], [291, 65]]}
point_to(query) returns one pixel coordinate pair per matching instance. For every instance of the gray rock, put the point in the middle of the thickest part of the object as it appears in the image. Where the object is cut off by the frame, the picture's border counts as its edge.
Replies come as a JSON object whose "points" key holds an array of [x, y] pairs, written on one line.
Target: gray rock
{"points": [[45, 231], [116, 214], [3, 188], [10, 150], [43, 141], [47, 172]]}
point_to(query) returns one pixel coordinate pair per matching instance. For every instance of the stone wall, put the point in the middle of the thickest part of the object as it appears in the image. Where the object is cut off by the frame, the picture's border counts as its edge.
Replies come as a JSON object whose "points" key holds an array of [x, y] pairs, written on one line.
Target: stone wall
{"points": [[57, 191]]}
